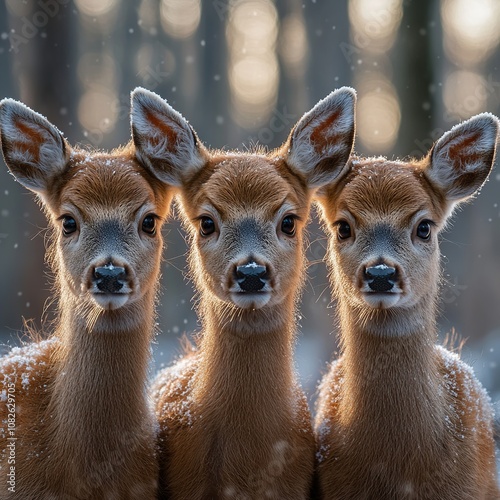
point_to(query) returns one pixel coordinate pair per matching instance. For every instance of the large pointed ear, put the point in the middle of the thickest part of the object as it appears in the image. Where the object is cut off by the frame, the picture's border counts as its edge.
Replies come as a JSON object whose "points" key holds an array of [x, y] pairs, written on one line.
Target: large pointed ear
{"points": [[321, 142], [461, 160], [165, 142], [34, 149]]}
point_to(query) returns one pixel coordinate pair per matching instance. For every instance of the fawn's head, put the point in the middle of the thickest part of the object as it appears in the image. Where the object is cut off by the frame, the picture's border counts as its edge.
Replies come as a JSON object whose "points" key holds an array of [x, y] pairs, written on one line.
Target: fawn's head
{"points": [[384, 217], [105, 210], [246, 212]]}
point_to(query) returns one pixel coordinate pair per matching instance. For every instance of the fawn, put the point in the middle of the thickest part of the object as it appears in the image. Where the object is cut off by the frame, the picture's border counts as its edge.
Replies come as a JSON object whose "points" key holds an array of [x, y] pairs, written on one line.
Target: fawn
{"points": [[233, 421], [83, 422], [398, 416]]}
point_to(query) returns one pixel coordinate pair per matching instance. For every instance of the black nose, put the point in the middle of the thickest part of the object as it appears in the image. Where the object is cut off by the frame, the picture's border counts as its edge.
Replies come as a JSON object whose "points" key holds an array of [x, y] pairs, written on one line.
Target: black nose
{"points": [[109, 278], [251, 277], [380, 278]]}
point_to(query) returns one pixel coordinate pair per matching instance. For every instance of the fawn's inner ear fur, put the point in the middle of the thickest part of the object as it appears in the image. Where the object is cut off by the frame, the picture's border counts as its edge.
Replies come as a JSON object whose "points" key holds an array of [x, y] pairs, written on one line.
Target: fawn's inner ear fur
{"points": [[462, 159], [34, 149], [165, 142], [318, 147], [321, 142]]}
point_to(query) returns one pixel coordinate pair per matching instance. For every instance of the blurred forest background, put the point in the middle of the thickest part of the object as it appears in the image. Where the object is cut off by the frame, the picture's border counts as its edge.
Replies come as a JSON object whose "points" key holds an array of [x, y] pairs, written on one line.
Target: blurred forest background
{"points": [[243, 72]]}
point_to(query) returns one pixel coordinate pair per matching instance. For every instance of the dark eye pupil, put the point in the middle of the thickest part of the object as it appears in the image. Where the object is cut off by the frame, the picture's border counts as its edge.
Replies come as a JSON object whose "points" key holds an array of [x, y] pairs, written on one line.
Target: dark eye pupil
{"points": [[69, 225], [288, 225], [149, 224], [207, 226], [424, 230], [344, 230]]}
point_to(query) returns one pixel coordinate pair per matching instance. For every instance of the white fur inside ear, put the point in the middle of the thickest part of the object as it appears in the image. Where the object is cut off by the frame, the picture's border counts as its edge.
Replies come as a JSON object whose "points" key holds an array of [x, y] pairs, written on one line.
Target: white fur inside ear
{"points": [[35, 150], [462, 159], [327, 131], [165, 142]]}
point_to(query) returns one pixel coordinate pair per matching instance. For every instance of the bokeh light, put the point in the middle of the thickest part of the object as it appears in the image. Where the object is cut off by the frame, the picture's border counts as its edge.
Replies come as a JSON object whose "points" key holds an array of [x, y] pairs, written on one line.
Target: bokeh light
{"points": [[253, 26], [17, 8], [293, 44], [375, 23], [96, 8], [97, 107], [472, 29], [99, 18], [148, 16], [465, 94], [97, 68], [374, 27], [97, 112], [252, 32], [180, 18], [378, 114], [254, 79], [148, 69]]}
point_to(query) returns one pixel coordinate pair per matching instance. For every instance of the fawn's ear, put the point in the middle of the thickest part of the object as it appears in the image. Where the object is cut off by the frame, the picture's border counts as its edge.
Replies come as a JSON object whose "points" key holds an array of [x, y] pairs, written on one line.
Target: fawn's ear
{"points": [[34, 149], [165, 142], [461, 160], [321, 142]]}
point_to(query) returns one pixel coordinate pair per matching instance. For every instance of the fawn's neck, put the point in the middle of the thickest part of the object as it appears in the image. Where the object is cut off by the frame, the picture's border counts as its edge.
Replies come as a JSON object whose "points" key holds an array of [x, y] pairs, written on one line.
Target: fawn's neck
{"points": [[391, 381], [100, 388], [246, 360]]}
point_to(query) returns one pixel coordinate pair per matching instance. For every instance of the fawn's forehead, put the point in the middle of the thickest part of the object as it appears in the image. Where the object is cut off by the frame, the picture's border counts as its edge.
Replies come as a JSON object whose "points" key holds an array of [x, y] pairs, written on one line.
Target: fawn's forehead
{"points": [[107, 181], [249, 182], [376, 189]]}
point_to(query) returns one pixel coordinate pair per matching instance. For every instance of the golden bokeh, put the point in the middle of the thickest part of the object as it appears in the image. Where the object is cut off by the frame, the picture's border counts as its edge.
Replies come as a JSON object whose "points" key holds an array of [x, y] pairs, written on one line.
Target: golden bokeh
{"points": [[378, 114], [254, 80], [471, 28], [180, 18], [97, 113], [465, 94], [374, 28], [96, 7], [17, 8], [293, 47], [97, 69], [252, 31], [375, 23]]}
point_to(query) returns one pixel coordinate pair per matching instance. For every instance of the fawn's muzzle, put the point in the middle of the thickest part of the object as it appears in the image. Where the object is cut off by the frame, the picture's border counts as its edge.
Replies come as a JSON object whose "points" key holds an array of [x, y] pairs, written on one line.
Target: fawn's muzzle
{"points": [[109, 278], [380, 278], [251, 277]]}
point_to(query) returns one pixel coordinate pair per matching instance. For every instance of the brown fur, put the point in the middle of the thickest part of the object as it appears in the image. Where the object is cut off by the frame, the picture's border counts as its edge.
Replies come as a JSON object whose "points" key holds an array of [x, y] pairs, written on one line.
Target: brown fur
{"points": [[83, 426], [398, 417], [233, 420]]}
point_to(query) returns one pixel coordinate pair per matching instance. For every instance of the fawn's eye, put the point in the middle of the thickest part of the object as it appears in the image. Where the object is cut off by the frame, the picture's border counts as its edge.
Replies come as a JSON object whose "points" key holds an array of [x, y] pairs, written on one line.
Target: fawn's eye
{"points": [[69, 225], [288, 225], [424, 230], [149, 224], [343, 230], [207, 226]]}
